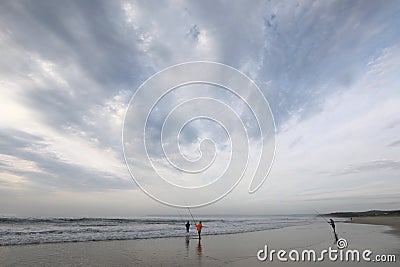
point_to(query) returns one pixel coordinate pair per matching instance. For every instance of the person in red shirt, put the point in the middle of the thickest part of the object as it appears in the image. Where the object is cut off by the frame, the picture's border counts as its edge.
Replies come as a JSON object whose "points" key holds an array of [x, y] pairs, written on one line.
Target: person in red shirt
{"points": [[199, 226]]}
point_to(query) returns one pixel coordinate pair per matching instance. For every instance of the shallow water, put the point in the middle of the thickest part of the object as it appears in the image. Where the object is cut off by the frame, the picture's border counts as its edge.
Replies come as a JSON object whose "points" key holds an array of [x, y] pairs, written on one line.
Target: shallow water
{"points": [[18, 231]]}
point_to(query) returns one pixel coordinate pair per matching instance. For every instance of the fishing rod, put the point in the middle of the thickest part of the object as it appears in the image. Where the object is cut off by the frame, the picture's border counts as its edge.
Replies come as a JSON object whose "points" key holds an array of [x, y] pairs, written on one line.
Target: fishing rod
{"points": [[321, 215], [177, 210], [331, 223], [191, 215]]}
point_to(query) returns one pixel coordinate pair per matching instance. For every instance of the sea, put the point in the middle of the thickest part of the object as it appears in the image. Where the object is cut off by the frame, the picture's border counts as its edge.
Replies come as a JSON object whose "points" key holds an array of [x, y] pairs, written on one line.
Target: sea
{"points": [[28, 230]]}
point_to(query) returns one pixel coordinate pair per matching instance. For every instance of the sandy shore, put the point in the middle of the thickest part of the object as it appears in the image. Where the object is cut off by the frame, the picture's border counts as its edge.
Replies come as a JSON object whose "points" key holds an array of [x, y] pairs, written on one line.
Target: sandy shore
{"points": [[220, 250], [393, 221]]}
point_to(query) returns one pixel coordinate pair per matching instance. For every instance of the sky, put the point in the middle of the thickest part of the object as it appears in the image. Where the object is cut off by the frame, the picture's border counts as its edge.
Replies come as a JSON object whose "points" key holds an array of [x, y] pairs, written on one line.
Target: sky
{"points": [[330, 71]]}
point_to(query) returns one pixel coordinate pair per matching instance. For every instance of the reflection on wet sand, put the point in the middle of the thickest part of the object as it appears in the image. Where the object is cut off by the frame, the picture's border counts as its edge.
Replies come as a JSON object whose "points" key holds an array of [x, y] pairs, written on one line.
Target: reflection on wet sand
{"points": [[199, 252], [187, 245]]}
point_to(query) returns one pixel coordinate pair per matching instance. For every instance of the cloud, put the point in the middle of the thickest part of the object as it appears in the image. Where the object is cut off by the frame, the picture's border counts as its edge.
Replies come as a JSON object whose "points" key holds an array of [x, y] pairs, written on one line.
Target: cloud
{"points": [[394, 143], [317, 46], [339, 157], [329, 70], [375, 165], [15, 164]]}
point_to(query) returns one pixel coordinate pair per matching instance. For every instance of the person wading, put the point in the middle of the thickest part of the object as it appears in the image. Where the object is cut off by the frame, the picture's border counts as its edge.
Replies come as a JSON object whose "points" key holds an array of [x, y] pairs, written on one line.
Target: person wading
{"points": [[187, 226]]}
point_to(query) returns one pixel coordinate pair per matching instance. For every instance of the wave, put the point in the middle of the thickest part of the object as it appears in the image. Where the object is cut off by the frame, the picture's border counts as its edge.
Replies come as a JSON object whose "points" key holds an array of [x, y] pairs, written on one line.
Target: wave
{"points": [[79, 220], [20, 231]]}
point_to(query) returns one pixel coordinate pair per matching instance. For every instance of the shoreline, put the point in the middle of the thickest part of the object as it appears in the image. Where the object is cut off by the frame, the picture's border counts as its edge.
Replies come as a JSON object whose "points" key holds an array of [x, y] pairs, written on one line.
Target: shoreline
{"points": [[193, 235], [391, 221], [213, 250]]}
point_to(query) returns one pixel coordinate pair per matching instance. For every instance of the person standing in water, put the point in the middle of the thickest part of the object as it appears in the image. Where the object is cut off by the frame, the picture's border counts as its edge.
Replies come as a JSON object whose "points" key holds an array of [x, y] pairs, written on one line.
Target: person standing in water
{"points": [[199, 226], [187, 226]]}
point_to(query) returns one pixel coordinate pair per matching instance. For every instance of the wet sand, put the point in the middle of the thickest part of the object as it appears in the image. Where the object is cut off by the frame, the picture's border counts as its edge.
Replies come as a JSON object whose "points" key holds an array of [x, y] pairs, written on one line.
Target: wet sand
{"points": [[393, 221], [219, 250]]}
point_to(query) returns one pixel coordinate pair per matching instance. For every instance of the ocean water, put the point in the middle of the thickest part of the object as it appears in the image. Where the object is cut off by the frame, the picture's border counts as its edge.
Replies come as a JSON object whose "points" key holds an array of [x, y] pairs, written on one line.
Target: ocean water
{"points": [[19, 231]]}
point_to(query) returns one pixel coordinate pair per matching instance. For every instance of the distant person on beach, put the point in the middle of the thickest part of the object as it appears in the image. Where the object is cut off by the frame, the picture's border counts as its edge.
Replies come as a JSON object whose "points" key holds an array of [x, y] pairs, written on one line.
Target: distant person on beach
{"points": [[187, 226], [199, 226]]}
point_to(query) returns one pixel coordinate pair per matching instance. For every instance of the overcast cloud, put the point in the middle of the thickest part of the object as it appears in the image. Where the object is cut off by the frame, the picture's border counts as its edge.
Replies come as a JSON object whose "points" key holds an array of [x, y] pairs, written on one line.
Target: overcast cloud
{"points": [[329, 69]]}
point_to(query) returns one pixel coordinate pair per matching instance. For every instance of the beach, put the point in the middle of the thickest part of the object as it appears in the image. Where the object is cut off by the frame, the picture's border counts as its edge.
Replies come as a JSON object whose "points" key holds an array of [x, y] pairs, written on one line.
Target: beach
{"points": [[393, 221], [213, 250]]}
